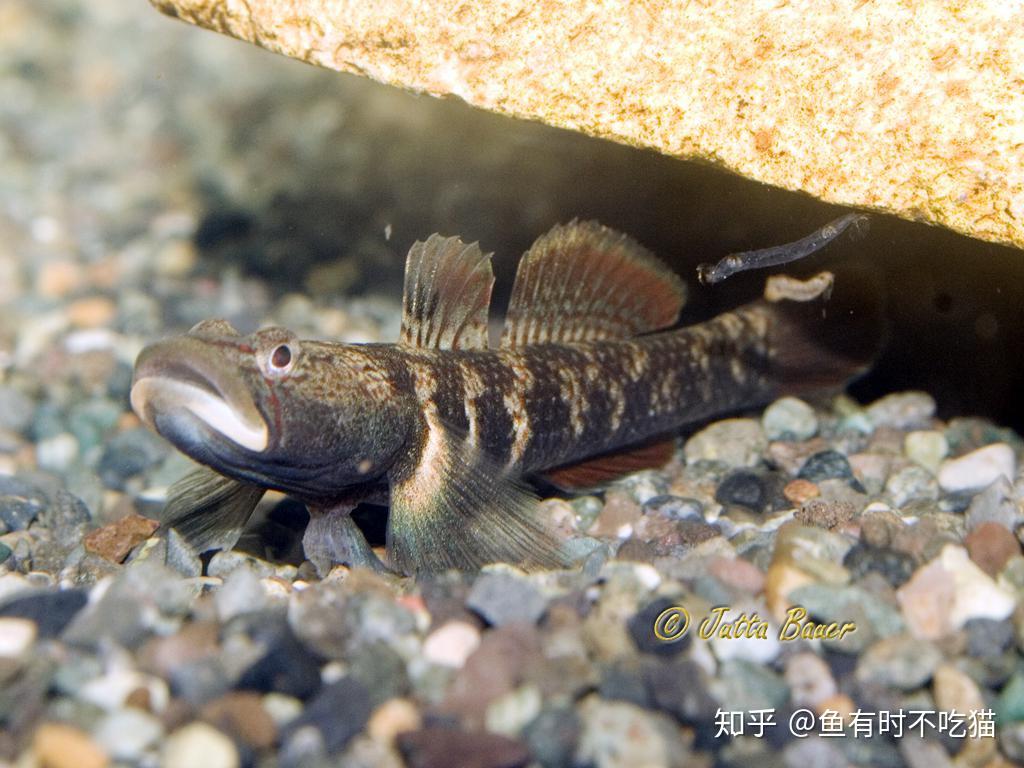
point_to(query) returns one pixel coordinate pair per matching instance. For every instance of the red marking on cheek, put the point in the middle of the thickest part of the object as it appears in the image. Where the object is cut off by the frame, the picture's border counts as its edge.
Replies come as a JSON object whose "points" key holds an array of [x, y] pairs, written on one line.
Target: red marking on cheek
{"points": [[275, 403]]}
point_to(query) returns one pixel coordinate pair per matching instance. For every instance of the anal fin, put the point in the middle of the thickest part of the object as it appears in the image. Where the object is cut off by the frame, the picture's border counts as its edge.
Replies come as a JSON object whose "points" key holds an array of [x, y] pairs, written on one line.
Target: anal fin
{"points": [[208, 510], [608, 467], [455, 508]]}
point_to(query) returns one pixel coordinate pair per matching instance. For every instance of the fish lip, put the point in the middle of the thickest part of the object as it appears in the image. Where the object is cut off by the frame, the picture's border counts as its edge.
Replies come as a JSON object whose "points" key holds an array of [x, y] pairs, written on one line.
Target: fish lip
{"points": [[181, 379]]}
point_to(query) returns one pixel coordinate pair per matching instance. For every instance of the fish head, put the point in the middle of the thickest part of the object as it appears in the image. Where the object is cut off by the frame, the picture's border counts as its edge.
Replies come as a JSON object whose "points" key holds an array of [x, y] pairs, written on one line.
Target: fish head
{"points": [[305, 417]]}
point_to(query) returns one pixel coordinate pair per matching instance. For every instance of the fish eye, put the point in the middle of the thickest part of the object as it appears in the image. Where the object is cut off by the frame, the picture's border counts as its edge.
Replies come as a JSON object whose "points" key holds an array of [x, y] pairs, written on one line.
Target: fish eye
{"points": [[281, 358]]}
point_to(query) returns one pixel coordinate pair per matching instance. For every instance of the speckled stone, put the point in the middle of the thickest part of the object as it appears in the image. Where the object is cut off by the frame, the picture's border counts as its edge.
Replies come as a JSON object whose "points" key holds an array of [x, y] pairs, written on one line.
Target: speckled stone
{"points": [[736, 443], [902, 410], [902, 662], [789, 418]]}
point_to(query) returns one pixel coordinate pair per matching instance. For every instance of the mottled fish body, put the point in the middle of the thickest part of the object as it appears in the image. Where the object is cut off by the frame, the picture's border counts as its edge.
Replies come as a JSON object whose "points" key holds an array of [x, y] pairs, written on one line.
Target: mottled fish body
{"points": [[585, 384]]}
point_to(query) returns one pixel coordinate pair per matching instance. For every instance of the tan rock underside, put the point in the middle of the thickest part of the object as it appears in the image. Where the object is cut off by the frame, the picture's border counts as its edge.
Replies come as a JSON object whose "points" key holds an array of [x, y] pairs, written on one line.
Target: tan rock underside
{"points": [[913, 108]]}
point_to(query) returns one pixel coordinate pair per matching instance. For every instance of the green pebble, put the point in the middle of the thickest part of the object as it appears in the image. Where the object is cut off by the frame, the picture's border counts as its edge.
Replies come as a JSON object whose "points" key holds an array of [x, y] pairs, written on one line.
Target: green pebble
{"points": [[5, 552]]}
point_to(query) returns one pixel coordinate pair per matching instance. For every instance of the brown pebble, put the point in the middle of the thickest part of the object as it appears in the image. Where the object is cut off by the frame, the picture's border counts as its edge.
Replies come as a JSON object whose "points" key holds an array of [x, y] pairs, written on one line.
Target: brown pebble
{"points": [[739, 573], [241, 715], [825, 514], [194, 642], [798, 491], [990, 545], [57, 279], [393, 717], [113, 542], [619, 511], [91, 312], [447, 748], [139, 698], [62, 746]]}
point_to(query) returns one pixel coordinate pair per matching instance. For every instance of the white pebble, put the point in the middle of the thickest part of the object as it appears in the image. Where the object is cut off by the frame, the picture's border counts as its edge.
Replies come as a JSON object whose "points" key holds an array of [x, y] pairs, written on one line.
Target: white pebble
{"points": [[199, 744], [451, 644], [16, 637], [977, 596], [58, 452], [977, 469], [127, 733], [789, 418], [927, 447], [734, 442]]}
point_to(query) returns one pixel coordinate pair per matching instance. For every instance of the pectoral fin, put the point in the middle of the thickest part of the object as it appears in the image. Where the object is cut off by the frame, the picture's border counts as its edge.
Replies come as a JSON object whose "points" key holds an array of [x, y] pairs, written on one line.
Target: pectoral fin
{"points": [[208, 510], [454, 508]]}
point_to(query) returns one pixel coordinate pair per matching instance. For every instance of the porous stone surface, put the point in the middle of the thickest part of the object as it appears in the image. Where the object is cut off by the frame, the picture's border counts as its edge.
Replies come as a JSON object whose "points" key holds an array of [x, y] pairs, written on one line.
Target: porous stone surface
{"points": [[916, 111]]}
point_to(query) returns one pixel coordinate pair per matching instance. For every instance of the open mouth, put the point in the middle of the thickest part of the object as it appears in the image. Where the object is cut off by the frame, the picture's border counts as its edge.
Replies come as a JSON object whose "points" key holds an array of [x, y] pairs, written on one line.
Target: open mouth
{"points": [[175, 378]]}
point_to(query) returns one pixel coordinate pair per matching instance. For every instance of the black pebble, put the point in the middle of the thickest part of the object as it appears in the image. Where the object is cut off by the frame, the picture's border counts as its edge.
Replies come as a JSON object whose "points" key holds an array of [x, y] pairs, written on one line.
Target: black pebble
{"points": [[896, 567], [287, 666], [829, 465], [744, 489], [51, 611], [339, 711], [641, 629], [552, 737]]}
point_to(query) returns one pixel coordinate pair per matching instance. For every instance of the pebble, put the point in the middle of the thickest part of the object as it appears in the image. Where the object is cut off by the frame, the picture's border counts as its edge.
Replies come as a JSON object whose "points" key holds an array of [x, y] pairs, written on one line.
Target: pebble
{"points": [[987, 638], [928, 447], [116, 540], [393, 717], [642, 629], [895, 567], [16, 637], [990, 545], [615, 734], [57, 453], [995, 504], [241, 592], [977, 469], [798, 491], [552, 737], [126, 734], [128, 454], [241, 715], [674, 508], [20, 503], [198, 744], [502, 597], [91, 312], [509, 713], [736, 443], [809, 679], [742, 488], [909, 484], [826, 465], [903, 662], [339, 711], [789, 418], [63, 746], [451, 644], [16, 409], [451, 748], [825, 514], [902, 410]]}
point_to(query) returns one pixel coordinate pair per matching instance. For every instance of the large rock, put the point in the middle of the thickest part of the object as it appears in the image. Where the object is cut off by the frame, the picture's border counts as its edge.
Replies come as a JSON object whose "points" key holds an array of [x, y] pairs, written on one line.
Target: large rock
{"points": [[915, 110]]}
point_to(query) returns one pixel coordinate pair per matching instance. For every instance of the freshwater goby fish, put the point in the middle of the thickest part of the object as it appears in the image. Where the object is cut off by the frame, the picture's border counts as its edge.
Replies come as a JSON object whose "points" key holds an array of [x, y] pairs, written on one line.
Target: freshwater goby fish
{"points": [[584, 385]]}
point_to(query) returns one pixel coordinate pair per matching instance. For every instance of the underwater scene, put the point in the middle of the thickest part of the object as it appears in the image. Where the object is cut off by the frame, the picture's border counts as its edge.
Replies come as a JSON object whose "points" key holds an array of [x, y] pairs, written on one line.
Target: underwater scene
{"points": [[346, 426]]}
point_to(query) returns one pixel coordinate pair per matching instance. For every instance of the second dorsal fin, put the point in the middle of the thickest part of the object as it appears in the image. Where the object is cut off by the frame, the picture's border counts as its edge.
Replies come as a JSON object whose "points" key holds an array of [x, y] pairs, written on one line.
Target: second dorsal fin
{"points": [[447, 295], [585, 282]]}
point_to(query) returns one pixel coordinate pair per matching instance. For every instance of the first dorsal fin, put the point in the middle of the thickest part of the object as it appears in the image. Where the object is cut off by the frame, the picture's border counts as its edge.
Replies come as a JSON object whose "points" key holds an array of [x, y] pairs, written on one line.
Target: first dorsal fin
{"points": [[447, 295], [585, 282]]}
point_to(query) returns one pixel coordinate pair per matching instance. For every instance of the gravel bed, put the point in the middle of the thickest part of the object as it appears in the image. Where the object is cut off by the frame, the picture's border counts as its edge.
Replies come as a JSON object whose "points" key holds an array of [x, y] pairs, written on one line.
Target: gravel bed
{"points": [[119, 647]]}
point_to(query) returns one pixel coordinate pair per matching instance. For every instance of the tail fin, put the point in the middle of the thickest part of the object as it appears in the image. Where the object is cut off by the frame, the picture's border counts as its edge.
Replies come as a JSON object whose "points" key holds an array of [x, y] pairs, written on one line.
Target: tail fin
{"points": [[822, 335]]}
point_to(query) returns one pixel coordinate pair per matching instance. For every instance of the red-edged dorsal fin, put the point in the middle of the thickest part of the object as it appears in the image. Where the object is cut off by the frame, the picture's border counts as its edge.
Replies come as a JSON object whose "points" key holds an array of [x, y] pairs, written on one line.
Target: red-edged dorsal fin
{"points": [[606, 468], [447, 295], [585, 282]]}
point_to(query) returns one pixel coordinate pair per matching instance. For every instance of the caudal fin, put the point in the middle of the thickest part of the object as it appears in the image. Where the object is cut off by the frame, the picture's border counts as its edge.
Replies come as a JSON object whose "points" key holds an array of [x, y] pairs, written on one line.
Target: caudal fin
{"points": [[824, 341]]}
